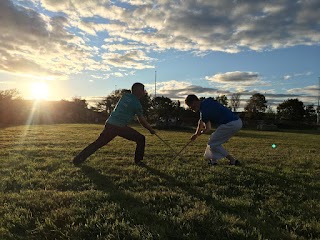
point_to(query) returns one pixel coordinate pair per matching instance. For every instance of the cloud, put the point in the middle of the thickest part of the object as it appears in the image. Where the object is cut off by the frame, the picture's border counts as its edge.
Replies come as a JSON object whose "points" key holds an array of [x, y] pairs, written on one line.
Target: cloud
{"points": [[130, 59], [228, 26], [118, 74], [121, 47], [238, 81], [232, 26], [35, 44], [296, 75], [287, 77], [60, 38], [177, 90], [310, 90], [234, 77]]}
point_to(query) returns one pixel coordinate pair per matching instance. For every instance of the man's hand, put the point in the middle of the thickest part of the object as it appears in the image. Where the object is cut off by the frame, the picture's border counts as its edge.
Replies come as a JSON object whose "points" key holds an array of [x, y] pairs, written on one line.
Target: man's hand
{"points": [[193, 137]]}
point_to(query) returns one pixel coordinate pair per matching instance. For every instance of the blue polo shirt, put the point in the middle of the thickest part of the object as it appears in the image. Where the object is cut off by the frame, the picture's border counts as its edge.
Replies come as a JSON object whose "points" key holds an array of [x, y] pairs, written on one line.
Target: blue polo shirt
{"points": [[125, 110], [215, 112]]}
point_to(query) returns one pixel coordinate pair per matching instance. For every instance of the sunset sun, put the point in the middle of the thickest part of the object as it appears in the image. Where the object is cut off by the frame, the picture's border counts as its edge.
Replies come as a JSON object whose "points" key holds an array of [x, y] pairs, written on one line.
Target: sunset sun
{"points": [[39, 90]]}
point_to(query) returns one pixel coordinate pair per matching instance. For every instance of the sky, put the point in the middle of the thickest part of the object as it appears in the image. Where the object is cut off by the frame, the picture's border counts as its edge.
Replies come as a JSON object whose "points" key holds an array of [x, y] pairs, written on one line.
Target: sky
{"points": [[89, 48]]}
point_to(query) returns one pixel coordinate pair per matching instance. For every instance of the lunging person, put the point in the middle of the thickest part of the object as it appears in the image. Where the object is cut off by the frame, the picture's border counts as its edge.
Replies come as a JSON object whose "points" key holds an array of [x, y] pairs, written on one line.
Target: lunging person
{"points": [[116, 125]]}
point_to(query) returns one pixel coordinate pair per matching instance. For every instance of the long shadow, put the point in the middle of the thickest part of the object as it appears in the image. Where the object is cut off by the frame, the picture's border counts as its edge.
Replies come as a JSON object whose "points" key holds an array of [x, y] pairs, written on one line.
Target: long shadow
{"points": [[136, 210], [266, 227], [141, 213], [289, 186], [292, 192]]}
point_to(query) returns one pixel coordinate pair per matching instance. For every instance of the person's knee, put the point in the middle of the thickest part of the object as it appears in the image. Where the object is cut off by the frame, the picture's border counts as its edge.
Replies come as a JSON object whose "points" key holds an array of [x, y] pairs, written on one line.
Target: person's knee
{"points": [[141, 140], [214, 148]]}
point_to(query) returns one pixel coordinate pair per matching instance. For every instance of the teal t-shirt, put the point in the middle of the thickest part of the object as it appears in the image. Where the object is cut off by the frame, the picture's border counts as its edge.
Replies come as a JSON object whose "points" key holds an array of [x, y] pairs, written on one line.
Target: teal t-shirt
{"points": [[127, 107]]}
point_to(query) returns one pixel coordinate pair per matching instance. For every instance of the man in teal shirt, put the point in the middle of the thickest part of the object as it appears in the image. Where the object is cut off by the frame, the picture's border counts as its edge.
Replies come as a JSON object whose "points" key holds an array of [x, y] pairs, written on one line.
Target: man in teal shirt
{"points": [[116, 125]]}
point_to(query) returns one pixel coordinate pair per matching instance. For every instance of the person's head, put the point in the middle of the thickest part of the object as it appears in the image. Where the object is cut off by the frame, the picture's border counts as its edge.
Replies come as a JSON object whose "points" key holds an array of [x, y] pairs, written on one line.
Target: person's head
{"points": [[137, 89], [193, 102]]}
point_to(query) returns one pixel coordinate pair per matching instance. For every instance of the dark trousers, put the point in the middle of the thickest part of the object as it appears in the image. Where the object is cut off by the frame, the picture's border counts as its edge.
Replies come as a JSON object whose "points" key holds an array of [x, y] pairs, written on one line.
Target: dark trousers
{"points": [[109, 133]]}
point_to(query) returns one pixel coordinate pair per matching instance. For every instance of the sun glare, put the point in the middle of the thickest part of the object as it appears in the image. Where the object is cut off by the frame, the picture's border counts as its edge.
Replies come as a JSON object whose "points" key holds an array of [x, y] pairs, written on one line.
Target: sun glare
{"points": [[39, 90]]}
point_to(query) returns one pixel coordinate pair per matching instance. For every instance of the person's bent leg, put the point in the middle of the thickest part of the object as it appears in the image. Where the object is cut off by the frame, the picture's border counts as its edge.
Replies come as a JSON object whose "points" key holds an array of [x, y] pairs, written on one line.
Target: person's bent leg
{"points": [[133, 135], [106, 136], [222, 134]]}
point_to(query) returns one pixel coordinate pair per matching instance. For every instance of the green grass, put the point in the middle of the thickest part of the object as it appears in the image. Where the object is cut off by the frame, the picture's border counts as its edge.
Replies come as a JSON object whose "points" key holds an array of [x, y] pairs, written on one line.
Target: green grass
{"points": [[274, 194]]}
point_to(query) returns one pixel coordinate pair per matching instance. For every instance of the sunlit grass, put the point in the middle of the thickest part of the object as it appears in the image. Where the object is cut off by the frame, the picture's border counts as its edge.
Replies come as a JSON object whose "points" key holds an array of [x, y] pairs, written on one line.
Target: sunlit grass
{"points": [[273, 195]]}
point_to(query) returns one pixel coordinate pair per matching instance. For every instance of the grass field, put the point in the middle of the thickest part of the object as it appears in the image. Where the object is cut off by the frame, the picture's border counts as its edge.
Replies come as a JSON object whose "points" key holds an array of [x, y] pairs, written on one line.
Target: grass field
{"points": [[274, 194]]}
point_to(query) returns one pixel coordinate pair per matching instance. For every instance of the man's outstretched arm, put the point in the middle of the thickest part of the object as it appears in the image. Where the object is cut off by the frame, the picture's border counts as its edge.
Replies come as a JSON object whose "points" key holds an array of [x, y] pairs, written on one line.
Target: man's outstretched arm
{"points": [[145, 124]]}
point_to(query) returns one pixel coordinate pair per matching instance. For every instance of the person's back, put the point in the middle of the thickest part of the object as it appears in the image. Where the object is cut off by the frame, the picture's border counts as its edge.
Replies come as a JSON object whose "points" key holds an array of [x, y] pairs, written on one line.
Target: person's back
{"points": [[127, 107], [215, 112]]}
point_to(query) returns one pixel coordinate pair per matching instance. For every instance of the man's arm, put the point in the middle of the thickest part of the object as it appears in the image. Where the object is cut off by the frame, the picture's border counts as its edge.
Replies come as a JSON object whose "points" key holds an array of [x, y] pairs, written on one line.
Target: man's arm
{"points": [[145, 124], [207, 127], [201, 128]]}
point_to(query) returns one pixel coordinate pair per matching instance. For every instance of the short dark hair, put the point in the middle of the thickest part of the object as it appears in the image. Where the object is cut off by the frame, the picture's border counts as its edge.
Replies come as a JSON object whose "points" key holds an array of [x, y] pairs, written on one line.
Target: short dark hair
{"points": [[190, 99], [136, 86]]}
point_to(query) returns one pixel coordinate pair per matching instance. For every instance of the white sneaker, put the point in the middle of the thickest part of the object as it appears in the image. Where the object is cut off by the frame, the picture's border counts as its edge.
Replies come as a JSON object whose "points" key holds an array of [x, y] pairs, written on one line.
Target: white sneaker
{"points": [[208, 153]]}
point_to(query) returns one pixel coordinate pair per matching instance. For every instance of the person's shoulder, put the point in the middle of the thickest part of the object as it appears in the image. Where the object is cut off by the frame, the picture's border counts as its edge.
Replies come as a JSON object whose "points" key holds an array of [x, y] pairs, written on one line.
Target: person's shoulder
{"points": [[134, 99], [129, 95], [208, 101]]}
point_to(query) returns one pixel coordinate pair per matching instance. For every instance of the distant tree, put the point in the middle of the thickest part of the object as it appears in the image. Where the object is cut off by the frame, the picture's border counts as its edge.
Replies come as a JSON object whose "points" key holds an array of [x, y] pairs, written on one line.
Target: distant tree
{"points": [[164, 108], [79, 109], [146, 103], [291, 109], [256, 105], [222, 99], [235, 101], [108, 103], [10, 106], [310, 113], [270, 114], [9, 94], [80, 103]]}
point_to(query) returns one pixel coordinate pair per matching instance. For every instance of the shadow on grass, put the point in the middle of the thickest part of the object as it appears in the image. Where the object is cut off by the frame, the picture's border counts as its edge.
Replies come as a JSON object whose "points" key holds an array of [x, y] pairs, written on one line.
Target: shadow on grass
{"points": [[266, 227], [268, 224], [287, 197], [141, 213], [293, 187]]}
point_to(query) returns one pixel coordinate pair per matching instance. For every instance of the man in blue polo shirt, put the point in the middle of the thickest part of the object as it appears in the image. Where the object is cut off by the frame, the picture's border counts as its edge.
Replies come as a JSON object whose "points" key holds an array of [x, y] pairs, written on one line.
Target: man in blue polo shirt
{"points": [[126, 109], [228, 123]]}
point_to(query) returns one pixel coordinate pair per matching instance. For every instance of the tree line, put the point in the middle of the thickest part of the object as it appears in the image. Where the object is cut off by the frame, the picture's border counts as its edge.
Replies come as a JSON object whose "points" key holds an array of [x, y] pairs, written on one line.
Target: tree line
{"points": [[161, 111]]}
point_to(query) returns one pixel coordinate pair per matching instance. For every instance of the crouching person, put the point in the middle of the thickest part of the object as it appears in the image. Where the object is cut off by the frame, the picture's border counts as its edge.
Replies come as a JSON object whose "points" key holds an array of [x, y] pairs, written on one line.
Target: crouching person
{"points": [[228, 124]]}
